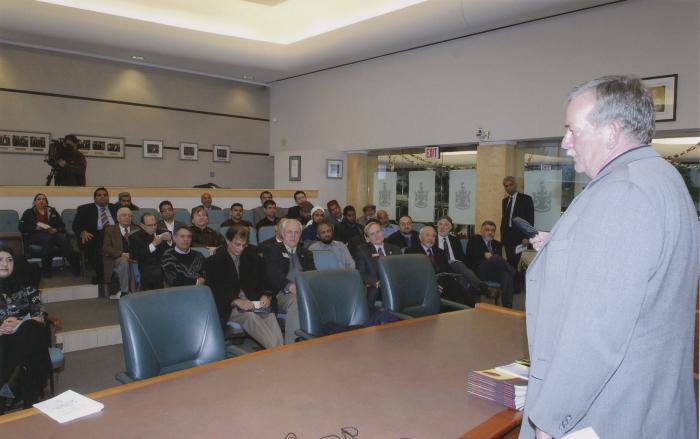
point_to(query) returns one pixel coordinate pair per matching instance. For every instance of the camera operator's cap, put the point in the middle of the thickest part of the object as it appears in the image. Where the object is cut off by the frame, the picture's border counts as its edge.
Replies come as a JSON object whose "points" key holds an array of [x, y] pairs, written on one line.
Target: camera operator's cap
{"points": [[124, 194]]}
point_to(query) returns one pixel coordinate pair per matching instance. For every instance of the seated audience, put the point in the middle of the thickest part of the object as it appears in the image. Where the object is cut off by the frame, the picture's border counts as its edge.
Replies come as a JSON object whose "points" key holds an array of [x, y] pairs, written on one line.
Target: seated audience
{"points": [[24, 358], [259, 212], [305, 213], [236, 217], [484, 255], [369, 212], [182, 266], [271, 218], [282, 262], [455, 288], [115, 250], [235, 278], [89, 224], [125, 201], [367, 258], [348, 229], [44, 227], [335, 213], [318, 215], [207, 203], [455, 255], [406, 237], [146, 247], [293, 212], [274, 239], [325, 242], [202, 235], [387, 227], [167, 217]]}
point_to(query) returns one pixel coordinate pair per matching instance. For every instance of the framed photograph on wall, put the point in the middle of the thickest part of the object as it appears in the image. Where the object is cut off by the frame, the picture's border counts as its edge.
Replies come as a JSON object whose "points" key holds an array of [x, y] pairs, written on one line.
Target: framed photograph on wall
{"points": [[24, 142], [663, 91], [222, 153], [334, 169], [189, 151], [153, 149], [295, 168], [100, 146]]}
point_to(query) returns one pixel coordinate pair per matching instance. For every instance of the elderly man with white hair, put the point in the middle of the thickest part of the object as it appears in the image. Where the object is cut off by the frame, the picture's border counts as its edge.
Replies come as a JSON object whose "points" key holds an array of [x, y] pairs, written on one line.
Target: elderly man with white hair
{"points": [[283, 260], [115, 250]]}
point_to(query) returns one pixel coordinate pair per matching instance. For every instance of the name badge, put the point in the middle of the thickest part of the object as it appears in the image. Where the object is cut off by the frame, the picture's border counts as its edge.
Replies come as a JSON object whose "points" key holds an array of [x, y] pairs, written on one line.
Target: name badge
{"points": [[285, 255]]}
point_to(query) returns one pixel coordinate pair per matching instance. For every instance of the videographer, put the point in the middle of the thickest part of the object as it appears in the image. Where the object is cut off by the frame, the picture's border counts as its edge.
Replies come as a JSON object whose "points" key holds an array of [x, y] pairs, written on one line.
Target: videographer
{"points": [[71, 164]]}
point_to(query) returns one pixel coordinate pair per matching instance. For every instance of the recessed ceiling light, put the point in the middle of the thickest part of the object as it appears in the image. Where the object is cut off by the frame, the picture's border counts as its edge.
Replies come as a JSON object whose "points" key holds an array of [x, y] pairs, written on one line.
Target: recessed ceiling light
{"points": [[137, 58]]}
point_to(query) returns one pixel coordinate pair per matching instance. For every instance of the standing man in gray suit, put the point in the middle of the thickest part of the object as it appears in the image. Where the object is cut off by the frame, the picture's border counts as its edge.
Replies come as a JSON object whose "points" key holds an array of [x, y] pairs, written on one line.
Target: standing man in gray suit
{"points": [[611, 293]]}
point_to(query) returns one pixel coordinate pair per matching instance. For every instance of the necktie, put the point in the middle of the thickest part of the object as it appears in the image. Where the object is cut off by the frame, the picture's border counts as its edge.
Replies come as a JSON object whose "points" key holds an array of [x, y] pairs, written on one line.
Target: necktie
{"points": [[432, 259], [446, 247], [380, 251], [103, 217], [125, 232], [510, 206]]}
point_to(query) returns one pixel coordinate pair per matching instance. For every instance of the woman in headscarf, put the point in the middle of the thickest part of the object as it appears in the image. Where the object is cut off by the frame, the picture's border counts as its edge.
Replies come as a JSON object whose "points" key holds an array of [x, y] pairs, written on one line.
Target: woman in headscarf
{"points": [[24, 356]]}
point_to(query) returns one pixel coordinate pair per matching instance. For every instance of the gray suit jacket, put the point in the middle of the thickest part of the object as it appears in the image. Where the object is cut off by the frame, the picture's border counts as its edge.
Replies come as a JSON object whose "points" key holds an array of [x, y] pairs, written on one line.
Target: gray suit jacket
{"points": [[610, 304]]}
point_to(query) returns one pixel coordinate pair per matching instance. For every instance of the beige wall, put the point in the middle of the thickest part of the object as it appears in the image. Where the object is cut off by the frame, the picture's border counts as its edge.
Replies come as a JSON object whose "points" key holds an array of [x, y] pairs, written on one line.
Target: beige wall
{"points": [[58, 73]]}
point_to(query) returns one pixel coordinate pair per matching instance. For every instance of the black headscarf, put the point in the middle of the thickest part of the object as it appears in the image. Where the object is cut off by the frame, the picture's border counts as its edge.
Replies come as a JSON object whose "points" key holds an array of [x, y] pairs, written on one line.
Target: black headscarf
{"points": [[20, 276]]}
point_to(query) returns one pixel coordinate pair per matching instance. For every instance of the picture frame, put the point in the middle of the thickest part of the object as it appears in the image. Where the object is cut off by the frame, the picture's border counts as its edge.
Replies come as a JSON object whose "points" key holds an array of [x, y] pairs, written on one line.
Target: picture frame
{"points": [[295, 168], [663, 90], [334, 168], [24, 142], [101, 146], [153, 149], [189, 151], [221, 153]]}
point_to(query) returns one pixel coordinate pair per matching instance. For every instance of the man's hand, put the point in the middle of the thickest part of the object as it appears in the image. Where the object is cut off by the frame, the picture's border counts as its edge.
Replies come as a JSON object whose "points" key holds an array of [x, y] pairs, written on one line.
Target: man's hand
{"points": [[167, 236], [212, 250], [157, 239], [9, 325], [292, 288], [85, 236], [200, 281], [244, 304], [525, 242], [124, 256], [61, 163], [539, 240], [488, 255]]}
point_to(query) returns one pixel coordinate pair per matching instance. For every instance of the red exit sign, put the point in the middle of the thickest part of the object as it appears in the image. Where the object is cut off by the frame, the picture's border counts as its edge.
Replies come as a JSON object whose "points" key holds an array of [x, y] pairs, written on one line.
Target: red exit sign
{"points": [[432, 152]]}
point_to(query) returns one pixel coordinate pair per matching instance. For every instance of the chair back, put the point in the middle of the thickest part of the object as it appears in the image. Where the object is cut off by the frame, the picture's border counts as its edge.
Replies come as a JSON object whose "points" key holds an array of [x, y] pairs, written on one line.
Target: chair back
{"points": [[330, 296], [182, 215], [266, 232], [168, 330], [417, 226], [216, 217], [68, 216], [9, 221], [252, 236], [203, 250], [325, 260], [248, 216], [409, 285], [138, 213]]}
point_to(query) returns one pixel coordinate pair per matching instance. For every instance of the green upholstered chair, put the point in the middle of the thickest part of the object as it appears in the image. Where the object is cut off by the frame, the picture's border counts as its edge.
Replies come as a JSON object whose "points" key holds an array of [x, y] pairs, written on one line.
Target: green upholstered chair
{"points": [[409, 287], [330, 297], [168, 330], [325, 260]]}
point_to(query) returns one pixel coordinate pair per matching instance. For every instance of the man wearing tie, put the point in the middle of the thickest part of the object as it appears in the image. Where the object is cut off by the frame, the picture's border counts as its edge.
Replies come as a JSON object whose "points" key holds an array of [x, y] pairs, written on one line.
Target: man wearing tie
{"points": [[456, 257], [515, 204], [89, 224], [367, 259], [484, 255], [115, 249]]}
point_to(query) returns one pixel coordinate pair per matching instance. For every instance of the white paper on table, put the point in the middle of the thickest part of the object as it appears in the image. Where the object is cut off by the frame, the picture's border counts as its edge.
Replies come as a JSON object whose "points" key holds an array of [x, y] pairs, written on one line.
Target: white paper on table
{"points": [[520, 248], [68, 406], [256, 304], [43, 226], [586, 433]]}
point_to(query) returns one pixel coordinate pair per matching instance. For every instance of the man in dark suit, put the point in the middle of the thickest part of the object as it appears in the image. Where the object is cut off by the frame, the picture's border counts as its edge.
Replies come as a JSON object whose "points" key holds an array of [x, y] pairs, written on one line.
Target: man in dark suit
{"points": [[299, 197], [367, 259], [454, 286], [455, 255], [515, 204], [146, 247], [167, 220], [207, 203], [348, 230], [484, 255], [259, 212], [71, 165], [406, 237], [283, 260], [235, 278], [89, 224], [115, 250]]}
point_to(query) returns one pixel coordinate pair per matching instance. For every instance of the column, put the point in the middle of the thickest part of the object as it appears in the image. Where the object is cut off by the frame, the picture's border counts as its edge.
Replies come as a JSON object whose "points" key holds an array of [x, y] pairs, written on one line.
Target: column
{"points": [[360, 171], [494, 161]]}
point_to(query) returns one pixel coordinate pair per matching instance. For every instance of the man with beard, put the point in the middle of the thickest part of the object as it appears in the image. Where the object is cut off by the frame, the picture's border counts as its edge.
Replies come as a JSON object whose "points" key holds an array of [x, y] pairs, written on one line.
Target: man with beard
{"points": [[325, 242]]}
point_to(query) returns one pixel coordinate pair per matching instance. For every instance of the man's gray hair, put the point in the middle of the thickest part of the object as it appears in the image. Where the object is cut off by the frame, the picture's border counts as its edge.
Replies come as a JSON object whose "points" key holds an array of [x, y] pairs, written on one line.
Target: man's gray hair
{"points": [[624, 99], [123, 210], [285, 225]]}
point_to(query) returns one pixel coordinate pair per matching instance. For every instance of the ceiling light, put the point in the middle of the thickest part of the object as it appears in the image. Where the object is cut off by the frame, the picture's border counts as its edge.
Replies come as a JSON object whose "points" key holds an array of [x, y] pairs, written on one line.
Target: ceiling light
{"points": [[458, 153], [137, 57], [677, 141]]}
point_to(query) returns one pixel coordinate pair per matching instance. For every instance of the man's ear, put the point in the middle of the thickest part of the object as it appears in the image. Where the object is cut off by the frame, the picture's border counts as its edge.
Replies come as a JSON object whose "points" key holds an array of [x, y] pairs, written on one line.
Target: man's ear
{"points": [[613, 134]]}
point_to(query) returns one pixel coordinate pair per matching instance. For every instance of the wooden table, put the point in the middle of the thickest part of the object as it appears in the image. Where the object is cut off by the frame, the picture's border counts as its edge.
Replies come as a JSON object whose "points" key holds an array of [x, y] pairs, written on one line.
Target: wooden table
{"points": [[402, 380]]}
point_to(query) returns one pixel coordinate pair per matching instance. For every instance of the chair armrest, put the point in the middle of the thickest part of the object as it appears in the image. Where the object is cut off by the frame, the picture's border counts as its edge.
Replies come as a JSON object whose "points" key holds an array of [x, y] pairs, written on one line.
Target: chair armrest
{"points": [[400, 315], [452, 304], [123, 378], [303, 334], [235, 351]]}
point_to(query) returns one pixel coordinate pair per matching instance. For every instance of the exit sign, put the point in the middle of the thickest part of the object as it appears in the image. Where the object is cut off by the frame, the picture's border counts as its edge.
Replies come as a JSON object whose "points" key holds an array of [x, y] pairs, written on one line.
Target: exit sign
{"points": [[432, 152]]}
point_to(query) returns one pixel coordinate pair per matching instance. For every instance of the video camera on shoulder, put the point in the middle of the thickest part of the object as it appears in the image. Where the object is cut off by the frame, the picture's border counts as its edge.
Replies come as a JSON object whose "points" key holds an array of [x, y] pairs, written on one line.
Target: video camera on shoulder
{"points": [[57, 151]]}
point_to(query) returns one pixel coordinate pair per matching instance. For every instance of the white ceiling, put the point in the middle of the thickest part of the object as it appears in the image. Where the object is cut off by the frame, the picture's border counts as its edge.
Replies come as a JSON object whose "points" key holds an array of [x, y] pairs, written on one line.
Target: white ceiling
{"points": [[197, 37]]}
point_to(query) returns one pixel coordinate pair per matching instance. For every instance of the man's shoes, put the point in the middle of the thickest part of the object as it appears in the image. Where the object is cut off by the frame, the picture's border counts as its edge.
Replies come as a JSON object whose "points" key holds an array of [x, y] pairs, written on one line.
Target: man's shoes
{"points": [[115, 296]]}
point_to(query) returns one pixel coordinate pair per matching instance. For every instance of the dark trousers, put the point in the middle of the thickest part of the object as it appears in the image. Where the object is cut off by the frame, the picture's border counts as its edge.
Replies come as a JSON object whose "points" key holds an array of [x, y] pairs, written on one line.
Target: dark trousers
{"points": [[93, 254], [498, 270], [49, 243], [456, 289], [151, 277]]}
